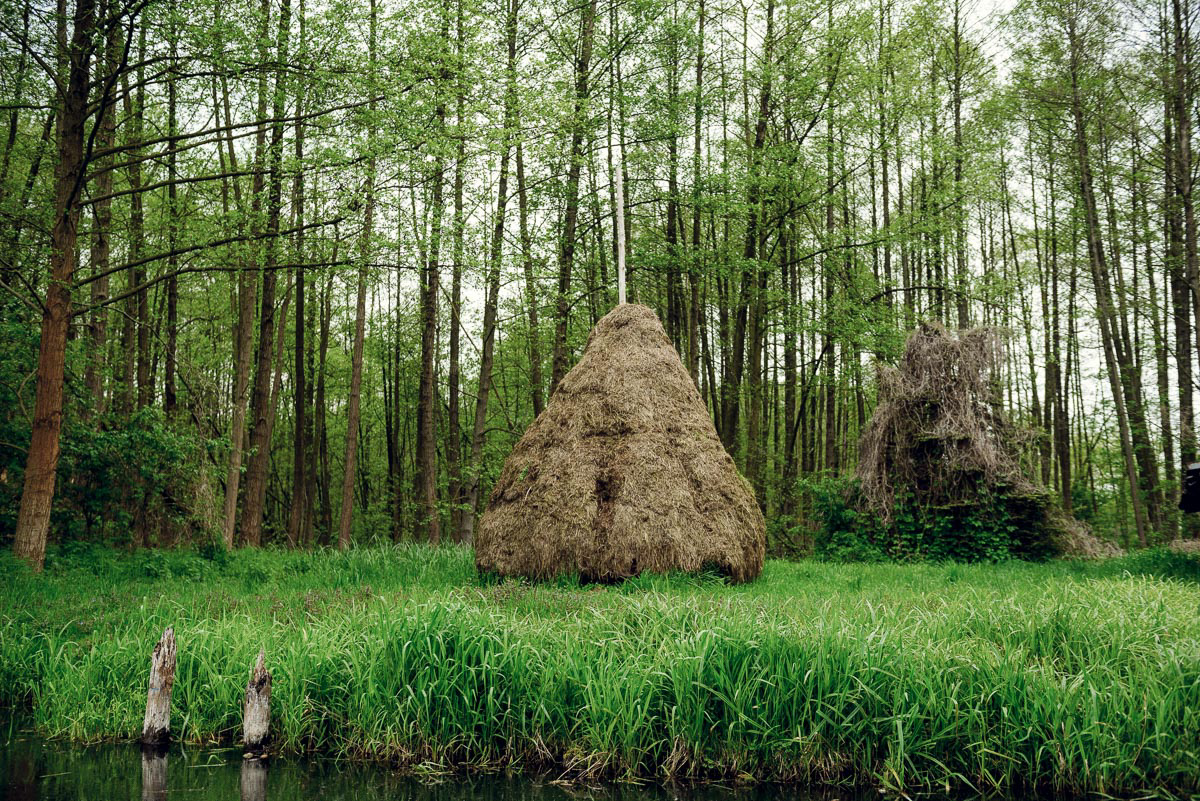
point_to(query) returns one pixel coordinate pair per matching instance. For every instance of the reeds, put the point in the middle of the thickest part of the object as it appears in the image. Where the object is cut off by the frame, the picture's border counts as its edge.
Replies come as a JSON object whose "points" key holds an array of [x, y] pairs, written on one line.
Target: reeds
{"points": [[1065, 677]]}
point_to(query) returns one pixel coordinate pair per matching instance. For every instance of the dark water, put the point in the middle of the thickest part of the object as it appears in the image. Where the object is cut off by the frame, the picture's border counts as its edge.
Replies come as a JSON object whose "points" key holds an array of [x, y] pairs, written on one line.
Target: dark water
{"points": [[33, 769]]}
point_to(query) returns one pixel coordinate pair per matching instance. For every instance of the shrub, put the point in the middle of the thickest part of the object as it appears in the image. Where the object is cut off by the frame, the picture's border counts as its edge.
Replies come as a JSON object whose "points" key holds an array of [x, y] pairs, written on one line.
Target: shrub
{"points": [[131, 482], [994, 528]]}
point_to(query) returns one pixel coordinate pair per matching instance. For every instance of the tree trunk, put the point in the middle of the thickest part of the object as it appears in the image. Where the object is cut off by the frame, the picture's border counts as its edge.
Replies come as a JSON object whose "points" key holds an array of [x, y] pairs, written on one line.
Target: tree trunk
{"points": [[453, 422], [566, 253], [696, 271], [531, 293], [1104, 306], [170, 392], [465, 532], [320, 428], [300, 515], [256, 711], [247, 293], [428, 526], [33, 519], [102, 214], [156, 726], [366, 249]]}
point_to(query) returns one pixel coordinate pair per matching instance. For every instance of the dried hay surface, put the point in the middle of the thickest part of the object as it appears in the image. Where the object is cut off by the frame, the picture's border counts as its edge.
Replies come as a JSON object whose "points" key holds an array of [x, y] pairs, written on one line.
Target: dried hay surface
{"points": [[1185, 546], [1077, 540], [934, 431], [622, 473]]}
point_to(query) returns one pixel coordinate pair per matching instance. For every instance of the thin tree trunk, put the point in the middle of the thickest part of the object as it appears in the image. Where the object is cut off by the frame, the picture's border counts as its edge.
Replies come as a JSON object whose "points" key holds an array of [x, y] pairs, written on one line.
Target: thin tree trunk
{"points": [[453, 378], [696, 272], [247, 294], [566, 253], [959, 204], [471, 494], [260, 402], [531, 293], [366, 248], [428, 526], [300, 514], [102, 214], [170, 391], [1104, 305], [320, 427]]}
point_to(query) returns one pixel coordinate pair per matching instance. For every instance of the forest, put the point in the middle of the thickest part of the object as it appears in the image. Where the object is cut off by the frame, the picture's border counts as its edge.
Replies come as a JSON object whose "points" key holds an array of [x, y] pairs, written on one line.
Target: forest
{"points": [[301, 273], [315, 357]]}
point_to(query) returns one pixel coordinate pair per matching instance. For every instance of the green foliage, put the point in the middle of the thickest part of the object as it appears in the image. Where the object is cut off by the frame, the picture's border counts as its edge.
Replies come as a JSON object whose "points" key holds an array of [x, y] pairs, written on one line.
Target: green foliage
{"points": [[137, 475], [995, 528], [18, 346], [1075, 677], [1159, 562], [845, 533]]}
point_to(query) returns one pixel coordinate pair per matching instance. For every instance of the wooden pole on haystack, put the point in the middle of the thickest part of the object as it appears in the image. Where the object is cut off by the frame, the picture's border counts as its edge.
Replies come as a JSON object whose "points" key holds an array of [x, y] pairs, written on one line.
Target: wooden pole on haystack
{"points": [[618, 169]]}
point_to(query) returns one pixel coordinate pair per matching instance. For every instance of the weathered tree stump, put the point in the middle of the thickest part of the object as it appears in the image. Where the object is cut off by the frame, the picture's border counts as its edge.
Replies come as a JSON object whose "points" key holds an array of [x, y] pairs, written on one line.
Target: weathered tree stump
{"points": [[256, 715], [156, 728], [154, 775], [253, 782]]}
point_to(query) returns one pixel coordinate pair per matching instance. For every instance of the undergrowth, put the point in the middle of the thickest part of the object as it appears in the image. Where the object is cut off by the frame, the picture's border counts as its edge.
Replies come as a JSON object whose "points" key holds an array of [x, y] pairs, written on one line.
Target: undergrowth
{"points": [[1065, 676]]}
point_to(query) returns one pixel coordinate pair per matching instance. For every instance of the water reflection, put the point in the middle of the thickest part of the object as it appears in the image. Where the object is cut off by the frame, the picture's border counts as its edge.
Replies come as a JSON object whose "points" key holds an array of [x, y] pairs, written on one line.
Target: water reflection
{"points": [[253, 783], [154, 775], [32, 769]]}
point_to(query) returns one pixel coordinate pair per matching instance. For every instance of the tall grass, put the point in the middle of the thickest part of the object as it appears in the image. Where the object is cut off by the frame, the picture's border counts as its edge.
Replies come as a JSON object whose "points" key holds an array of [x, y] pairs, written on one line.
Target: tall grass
{"points": [[1065, 677]]}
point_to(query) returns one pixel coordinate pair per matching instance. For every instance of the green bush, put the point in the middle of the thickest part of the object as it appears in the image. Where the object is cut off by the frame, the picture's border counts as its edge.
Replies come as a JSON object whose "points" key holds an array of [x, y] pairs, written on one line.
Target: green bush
{"points": [[995, 528], [130, 479], [1162, 563], [845, 532]]}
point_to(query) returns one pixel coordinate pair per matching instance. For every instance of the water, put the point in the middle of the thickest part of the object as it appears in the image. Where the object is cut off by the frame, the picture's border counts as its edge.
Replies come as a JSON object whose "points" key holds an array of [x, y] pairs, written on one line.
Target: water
{"points": [[34, 769]]}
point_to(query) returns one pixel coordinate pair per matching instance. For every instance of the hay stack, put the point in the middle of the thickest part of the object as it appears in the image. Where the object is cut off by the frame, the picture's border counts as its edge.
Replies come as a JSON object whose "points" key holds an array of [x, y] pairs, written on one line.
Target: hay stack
{"points": [[938, 445], [622, 473], [935, 432]]}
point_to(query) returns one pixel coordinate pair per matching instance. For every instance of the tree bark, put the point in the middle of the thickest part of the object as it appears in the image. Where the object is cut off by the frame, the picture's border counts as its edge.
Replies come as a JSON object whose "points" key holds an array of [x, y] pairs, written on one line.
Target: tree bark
{"points": [[156, 726], [300, 515], [102, 214], [453, 378], [260, 401], [531, 293], [696, 271], [247, 294], [1104, 305], [566, 253], [428, 526], [465, 531], [366, 248], [33, 518], [256, 711], [170, 391]]}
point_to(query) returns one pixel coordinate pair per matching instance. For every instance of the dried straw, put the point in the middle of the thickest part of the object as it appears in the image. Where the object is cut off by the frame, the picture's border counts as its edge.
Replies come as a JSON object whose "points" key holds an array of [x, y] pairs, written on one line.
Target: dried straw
{"points": [[936, 432], [622, 473]]}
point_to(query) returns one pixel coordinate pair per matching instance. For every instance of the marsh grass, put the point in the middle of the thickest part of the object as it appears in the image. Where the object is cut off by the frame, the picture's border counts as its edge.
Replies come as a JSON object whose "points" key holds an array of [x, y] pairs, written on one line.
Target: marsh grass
{"points": [[1065, 677]]}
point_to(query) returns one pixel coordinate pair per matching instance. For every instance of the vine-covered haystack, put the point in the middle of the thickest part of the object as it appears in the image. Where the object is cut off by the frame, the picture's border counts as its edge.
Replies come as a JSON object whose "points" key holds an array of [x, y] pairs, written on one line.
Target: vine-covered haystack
{"points": [[939, 462]]}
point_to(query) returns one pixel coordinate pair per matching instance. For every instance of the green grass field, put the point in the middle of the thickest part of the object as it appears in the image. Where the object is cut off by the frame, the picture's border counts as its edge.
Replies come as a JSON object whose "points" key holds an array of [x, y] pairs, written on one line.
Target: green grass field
{"points": [[1065, 676]]}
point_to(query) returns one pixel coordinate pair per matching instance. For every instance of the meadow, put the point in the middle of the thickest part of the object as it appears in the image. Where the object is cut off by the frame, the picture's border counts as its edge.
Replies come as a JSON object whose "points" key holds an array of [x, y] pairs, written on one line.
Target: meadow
{"points": [[1060, 677]]}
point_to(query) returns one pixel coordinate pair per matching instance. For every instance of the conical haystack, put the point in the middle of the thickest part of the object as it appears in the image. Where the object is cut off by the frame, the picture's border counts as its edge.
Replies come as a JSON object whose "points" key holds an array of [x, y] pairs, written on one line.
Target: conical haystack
{"points": [[622, 473]]}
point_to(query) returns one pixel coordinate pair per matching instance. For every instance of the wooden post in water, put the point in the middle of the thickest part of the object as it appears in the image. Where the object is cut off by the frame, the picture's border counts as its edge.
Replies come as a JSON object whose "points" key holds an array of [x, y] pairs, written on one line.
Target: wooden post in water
{"points": [[156, 727], [256, 715]]}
